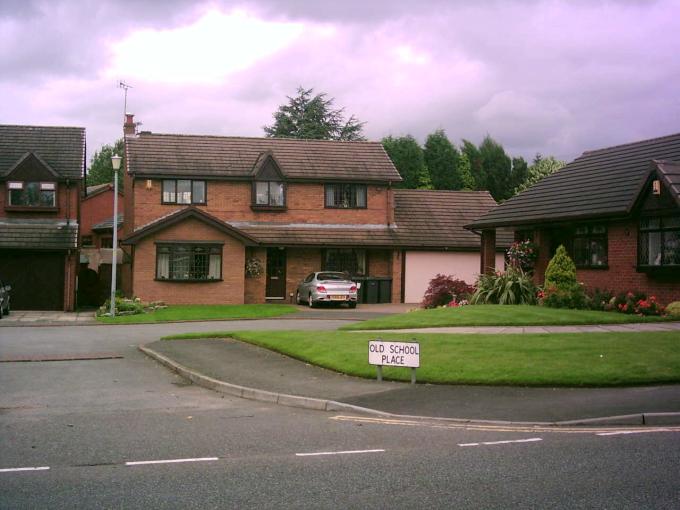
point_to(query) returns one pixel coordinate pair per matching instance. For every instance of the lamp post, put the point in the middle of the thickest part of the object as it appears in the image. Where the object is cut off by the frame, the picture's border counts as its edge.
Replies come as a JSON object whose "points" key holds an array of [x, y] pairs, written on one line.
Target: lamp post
{"points": [[115, 162]]}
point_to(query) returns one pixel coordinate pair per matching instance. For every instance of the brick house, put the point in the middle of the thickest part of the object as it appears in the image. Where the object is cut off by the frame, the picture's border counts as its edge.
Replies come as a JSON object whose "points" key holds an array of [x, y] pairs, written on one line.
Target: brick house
{"points": [[96, 235], [616, 211], [199, 209], [41, 174]]}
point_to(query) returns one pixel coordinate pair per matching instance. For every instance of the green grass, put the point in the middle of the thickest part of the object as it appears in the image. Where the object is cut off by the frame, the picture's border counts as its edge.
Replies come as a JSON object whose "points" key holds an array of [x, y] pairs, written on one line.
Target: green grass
{"points": [[203, 312], [584, 359], [497, 315]]}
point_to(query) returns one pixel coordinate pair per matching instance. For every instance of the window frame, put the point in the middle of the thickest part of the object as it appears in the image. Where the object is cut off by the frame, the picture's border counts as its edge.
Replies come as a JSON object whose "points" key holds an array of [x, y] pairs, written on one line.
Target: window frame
{"points": [[353, 193], [589, 236], [213, 247], [43, 186], [269, 206], [362, 256], [191, 187], [661, 229]]}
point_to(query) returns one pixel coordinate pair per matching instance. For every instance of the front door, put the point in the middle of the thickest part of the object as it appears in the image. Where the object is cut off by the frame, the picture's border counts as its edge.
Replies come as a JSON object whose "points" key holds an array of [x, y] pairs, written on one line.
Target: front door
{"points": [[276, 273]]}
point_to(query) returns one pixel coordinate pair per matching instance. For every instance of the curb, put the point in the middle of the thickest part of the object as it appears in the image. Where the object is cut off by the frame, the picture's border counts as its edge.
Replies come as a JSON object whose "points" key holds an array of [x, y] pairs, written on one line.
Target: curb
{"points": [[318, 404]]}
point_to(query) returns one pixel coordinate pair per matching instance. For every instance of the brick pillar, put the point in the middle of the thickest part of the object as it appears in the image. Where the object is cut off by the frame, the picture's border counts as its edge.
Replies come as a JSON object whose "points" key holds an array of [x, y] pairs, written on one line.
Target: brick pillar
{"points": [[488, 252], [542, 241], [397, 264]]}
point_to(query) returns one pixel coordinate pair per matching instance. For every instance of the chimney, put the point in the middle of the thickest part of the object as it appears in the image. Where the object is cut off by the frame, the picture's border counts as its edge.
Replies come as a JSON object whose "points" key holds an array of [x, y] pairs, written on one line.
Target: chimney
{"points": [[129, 126]]}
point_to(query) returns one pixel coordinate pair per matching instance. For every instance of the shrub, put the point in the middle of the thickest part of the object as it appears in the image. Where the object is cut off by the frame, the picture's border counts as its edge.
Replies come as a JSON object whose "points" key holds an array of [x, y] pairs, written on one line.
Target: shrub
{"points": [[443, 289], [124, 306], [561, 288], [599, 299], [522, 255], [673, 308], [637, 303], [514, 287]]}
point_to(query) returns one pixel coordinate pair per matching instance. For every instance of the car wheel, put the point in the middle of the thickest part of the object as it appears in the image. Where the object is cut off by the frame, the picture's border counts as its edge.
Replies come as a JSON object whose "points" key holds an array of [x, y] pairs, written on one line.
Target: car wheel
{"points": [[297, 298], [352, 304], [310, 301]]}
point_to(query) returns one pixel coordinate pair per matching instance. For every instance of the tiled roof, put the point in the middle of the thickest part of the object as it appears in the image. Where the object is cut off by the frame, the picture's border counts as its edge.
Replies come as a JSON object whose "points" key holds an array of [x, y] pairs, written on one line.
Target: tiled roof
{"points": [[669, 172], [19, 233], [98, 188], [108, 223], [62, 148], [235, 157], [598, 184], [427, 218]]}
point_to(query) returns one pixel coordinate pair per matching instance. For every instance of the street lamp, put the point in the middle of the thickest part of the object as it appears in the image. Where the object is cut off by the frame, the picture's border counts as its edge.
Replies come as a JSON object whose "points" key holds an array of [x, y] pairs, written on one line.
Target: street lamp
{"points": [[115, 162]]}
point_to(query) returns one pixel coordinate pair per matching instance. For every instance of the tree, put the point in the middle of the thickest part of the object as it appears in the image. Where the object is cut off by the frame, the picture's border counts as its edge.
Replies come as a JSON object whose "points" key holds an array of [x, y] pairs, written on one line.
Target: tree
{"points": [[518, 175], [408, 158], [442, 160], [101, 169], [313, 117], [497, 168], [541, 167], [465, 172], [477, 171]]}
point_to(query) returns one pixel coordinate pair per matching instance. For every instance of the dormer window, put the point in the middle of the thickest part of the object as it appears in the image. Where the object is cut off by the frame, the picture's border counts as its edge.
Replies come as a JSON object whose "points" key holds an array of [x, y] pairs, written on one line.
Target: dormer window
{"points": [[32, 194], [270, 193]]}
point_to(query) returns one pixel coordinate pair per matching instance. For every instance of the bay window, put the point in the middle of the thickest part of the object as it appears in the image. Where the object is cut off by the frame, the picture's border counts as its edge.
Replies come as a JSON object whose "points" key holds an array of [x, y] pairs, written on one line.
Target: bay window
{"points": [[189, 262], [659, 241]]}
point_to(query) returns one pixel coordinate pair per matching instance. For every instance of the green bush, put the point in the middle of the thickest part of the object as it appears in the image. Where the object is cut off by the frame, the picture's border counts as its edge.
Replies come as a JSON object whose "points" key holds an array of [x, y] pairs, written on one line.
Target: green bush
{"points": [[514, 287], [673, 308], [124, 306], [561, 288]]}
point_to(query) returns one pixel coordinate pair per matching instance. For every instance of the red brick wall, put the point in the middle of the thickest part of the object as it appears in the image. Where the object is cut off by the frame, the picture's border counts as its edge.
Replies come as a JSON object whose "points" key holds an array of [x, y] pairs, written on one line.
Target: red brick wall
{"points": [[255, 286], [231, 201], [397, 261], [379, 263], [67, 203], [96, 209], [299, 263], [229, 291]]}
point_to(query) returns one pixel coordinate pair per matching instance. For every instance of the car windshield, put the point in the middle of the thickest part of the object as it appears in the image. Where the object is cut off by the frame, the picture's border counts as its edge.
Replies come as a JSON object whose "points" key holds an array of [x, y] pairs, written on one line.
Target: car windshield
{"points": [[331, 276]]}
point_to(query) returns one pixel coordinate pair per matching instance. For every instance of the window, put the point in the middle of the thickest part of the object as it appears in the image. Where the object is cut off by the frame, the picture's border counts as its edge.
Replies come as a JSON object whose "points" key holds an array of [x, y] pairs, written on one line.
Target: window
{"points": [[346, 196], [189, 262], [269, 193], [590, 246], [346, 260], [88, 241], [659, 241], [33, 194], [106, 242], [183, 191]]}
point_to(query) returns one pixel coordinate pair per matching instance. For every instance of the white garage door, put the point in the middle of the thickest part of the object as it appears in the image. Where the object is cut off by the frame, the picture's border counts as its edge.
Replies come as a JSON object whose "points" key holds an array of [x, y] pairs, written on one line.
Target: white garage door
{"points": [[422, 266]]}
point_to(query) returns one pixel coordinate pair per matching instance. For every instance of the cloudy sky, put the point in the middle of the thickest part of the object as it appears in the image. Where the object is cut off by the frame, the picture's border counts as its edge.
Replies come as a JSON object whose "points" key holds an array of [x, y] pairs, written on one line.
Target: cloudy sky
{"points": [[556, 77]]}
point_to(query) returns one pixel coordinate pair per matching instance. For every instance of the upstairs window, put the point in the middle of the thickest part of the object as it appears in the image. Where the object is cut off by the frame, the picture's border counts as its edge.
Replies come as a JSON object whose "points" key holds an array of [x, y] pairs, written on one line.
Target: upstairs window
{"points": [[189, 262], [183, 191], [345, 196], [590, 246], [32, 194], [269, 194], [659, 241]]}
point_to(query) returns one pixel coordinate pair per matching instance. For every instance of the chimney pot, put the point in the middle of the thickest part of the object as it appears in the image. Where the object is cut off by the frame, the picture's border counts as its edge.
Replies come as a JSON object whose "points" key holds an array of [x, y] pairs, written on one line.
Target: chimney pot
{"points": [[129, 126]]}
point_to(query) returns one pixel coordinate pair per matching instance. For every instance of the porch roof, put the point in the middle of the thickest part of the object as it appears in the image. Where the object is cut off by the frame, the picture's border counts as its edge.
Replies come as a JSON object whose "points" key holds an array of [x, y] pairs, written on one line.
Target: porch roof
{"points": [[32, 234]]}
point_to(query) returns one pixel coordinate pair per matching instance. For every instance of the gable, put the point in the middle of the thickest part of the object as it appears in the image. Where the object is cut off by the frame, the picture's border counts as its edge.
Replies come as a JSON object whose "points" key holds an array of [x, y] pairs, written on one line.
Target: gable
{"points": [[31, 168], [268, 169]]}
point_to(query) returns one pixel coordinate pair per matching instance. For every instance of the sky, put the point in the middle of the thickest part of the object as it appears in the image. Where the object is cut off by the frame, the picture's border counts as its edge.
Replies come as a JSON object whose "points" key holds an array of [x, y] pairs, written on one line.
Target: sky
{"points": [[539, 76]]}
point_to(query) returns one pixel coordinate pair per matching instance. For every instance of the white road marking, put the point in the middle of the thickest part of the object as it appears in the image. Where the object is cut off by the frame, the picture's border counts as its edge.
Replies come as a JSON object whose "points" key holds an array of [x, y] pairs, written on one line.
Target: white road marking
{"points": [[530, 440], [11, 470], [621, 432], [170, 461], [337, 453]]}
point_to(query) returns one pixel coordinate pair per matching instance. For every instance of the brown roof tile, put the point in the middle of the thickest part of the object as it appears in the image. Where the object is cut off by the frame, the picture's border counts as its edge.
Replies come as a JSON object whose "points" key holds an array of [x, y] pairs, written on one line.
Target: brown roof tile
{"points": [[235, 157]]}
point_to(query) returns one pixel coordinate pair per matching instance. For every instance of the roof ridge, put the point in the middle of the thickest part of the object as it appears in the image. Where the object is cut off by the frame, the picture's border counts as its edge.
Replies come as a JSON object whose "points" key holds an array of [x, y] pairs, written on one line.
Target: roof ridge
{"points": [[40, 127], [628, 144], [231, 137]]}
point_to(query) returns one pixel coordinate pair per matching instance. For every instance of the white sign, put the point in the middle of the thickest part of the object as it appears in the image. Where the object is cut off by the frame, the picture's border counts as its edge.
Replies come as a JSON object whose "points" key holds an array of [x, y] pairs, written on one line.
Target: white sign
{"points": [[394, 354]]}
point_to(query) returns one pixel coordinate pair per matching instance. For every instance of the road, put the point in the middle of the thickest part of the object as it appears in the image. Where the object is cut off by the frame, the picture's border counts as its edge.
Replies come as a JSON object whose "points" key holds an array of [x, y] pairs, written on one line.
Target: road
{"points": [[107, 428]]}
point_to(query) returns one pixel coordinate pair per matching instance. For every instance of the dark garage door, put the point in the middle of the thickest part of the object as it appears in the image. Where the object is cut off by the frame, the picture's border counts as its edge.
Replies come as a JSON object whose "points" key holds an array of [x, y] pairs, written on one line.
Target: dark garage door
{"points": [[37, 279]]}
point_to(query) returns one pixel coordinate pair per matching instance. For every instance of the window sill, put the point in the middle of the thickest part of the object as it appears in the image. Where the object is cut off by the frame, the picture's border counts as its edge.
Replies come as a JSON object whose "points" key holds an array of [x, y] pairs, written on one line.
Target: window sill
{"points": [[185, 205], [211, 280], [339, 207], [659, 269], [604, 267], [31, 208], [269, 208]]}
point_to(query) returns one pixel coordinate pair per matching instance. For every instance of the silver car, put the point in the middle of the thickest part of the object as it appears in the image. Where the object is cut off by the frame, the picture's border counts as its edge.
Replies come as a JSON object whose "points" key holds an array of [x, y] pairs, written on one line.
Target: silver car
{"points": [[327, 287]]}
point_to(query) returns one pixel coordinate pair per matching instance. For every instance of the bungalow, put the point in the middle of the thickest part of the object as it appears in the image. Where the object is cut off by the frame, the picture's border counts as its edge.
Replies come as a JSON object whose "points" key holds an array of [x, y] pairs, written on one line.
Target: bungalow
{"points": [[617, 212], [212, 219]]}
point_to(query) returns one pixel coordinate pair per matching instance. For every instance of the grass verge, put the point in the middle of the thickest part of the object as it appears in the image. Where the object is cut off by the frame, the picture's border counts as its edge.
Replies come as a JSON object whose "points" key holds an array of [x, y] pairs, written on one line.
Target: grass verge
{"points": [[203, 312], [498, 315], [585, 359]]}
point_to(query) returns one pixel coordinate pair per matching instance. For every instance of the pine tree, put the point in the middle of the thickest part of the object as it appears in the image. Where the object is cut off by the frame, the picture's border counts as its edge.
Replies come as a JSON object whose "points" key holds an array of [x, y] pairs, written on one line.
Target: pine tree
{"points": [[442, 160]]}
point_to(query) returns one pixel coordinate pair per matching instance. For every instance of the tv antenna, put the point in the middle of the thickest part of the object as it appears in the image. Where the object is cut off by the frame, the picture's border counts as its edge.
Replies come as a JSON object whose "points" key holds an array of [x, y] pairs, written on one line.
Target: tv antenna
{"points": [[124, 86]]}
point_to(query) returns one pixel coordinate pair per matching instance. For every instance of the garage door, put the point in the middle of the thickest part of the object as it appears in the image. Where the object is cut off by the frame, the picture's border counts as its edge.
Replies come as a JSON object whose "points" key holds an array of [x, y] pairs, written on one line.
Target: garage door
{"points": [[422, 266], [37, 279]]}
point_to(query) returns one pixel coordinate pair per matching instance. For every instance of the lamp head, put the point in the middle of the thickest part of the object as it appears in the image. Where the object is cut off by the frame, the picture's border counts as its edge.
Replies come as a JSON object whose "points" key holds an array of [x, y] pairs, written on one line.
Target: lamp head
{"points": [[115, 161]]}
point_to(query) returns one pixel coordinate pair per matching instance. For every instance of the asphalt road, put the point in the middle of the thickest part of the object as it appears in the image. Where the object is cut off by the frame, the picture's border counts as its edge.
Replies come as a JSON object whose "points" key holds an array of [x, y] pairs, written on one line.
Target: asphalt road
{"points": [[92, 422]]}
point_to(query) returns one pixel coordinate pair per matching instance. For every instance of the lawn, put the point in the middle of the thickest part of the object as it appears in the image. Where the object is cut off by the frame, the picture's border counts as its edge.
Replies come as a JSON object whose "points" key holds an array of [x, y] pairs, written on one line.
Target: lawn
{"points": [[585, 359], [497, 315], [203, 313]]}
